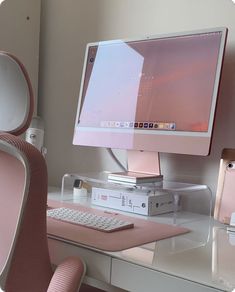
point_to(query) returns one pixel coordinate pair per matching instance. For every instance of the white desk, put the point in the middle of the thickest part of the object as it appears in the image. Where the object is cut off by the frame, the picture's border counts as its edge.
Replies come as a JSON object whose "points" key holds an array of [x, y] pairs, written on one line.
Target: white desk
{"points": [[200, 261]]}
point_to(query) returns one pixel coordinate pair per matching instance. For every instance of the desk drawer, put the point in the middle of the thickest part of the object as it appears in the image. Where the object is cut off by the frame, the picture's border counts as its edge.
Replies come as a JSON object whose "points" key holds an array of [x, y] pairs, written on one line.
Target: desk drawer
{"points": [[138, 279], [98, 265]]}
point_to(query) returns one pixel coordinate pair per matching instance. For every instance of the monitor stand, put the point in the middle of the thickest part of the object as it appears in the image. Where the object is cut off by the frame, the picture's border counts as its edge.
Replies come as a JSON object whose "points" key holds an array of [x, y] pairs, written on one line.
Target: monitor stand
{"points": [[143, 167]]}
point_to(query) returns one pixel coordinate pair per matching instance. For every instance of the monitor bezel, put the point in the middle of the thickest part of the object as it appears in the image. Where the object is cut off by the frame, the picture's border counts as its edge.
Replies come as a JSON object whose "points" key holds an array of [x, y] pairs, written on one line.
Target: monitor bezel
{"points": [[184, 140]]}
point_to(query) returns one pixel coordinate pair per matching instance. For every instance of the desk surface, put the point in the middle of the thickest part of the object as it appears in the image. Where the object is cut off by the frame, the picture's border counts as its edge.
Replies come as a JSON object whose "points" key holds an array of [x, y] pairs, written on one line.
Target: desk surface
{"points": [[202, 260]]}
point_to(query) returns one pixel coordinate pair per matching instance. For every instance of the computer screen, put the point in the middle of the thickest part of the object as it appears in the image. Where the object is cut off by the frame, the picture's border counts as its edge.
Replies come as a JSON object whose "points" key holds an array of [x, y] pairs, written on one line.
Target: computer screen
{"points": [[154, 94]]}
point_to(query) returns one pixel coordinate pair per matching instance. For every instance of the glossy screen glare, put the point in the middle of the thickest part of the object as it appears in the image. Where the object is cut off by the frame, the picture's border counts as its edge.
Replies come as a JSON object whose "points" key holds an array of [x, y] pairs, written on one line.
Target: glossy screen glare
{"points": [[148, 93]]}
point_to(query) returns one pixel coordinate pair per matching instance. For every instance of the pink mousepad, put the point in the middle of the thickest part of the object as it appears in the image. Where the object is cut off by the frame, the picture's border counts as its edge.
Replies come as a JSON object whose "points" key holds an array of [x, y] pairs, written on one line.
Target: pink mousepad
{"points": [[144, 231]]}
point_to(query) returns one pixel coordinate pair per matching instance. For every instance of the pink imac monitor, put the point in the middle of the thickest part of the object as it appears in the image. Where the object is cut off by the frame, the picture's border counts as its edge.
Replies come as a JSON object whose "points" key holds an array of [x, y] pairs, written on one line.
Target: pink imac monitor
{"points": [[154, 94]]}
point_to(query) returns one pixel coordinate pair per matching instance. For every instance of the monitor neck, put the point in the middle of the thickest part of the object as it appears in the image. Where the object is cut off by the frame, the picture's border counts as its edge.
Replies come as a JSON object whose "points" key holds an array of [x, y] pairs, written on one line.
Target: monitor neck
{"points": [[143, 162]]}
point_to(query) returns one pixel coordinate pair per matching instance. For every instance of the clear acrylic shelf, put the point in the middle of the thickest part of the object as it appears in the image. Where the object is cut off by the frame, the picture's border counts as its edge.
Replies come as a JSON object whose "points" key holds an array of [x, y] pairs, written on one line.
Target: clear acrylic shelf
{"points": [[187, 197], [192, 203]]}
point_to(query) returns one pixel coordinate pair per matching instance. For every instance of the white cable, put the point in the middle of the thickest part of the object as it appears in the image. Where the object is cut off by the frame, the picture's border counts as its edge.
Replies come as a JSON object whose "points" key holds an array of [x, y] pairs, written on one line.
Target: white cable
{"points": [[110, 151]]}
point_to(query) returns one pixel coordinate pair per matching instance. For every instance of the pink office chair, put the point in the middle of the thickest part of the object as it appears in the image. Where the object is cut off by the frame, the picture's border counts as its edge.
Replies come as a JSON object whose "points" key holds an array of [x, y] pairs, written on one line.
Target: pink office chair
{"points": [[24, 258]]}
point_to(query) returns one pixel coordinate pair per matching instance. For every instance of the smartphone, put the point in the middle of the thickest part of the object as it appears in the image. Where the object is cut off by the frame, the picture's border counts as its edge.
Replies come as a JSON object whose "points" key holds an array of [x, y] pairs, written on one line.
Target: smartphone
{"points": [[225, 204]]}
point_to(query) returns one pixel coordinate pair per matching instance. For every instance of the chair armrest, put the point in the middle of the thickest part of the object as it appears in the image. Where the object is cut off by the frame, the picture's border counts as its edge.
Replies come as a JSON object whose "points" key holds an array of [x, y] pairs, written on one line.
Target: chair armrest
{"points": [[68, 276]]}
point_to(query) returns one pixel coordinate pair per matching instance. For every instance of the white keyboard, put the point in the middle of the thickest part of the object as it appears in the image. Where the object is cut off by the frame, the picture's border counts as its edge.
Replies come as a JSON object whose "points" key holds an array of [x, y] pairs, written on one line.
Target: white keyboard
{"points": [[89, 220]]}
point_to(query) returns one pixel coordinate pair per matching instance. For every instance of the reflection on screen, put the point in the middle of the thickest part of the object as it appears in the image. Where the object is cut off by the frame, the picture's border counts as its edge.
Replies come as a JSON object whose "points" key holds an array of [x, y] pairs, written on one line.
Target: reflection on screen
{"points": [[156, 84]]}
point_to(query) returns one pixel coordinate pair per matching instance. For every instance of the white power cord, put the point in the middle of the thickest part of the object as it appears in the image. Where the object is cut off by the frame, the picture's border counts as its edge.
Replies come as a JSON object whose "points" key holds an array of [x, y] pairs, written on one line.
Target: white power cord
{"points": [[110, 151]]}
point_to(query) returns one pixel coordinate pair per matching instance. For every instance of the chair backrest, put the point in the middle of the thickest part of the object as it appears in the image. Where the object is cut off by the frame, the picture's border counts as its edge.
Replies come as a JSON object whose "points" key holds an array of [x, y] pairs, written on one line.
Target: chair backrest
{"points": [[24, 258], [16, 95]]}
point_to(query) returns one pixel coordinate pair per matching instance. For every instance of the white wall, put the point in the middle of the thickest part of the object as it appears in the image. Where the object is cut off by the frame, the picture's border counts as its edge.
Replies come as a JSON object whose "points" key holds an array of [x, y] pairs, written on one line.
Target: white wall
{"points": [[19, 33], [66, 28]]}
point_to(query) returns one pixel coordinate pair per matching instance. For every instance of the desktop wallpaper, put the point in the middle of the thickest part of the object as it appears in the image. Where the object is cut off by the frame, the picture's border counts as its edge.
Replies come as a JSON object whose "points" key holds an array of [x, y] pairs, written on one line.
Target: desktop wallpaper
{"points": [[167, 80]]}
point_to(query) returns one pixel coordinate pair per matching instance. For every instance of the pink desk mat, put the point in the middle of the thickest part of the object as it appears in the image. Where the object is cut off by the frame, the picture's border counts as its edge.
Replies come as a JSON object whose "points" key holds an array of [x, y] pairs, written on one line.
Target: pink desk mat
{"points": [[144, 231]]}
